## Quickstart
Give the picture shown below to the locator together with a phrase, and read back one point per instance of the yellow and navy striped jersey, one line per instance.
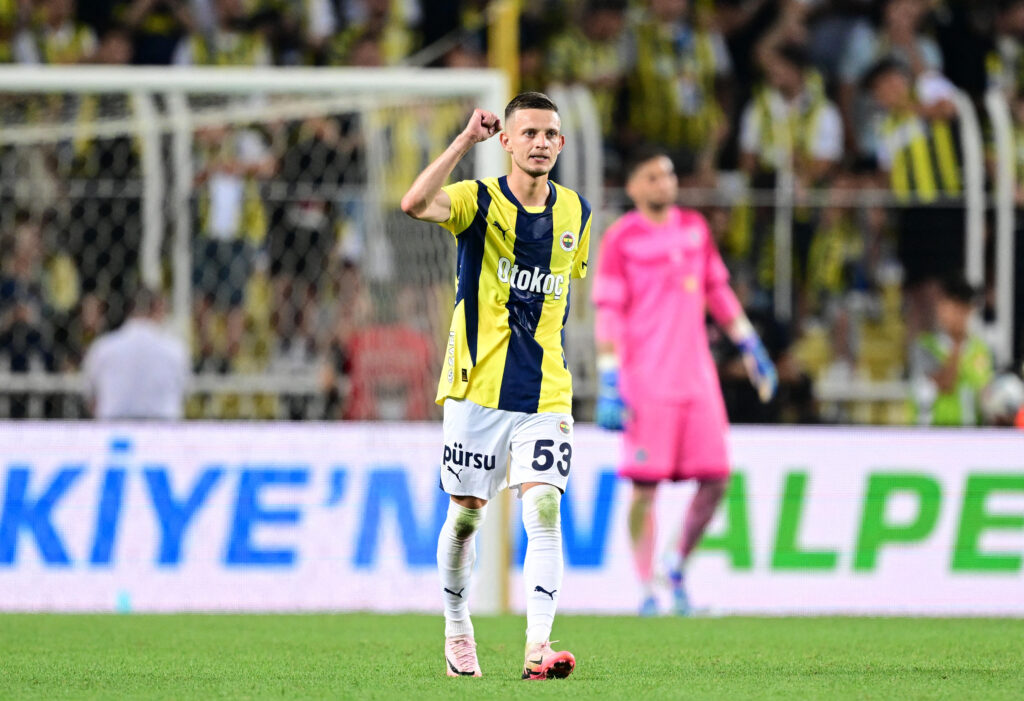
(921, 157)
(505, 346)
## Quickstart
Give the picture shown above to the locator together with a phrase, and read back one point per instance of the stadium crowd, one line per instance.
(860, 90)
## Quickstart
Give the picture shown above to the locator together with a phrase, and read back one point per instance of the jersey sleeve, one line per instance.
(463, 197)
(721, 300)
(579, 264)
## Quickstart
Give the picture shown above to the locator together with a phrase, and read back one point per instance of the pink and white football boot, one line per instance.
(460, 656)
(544, 663)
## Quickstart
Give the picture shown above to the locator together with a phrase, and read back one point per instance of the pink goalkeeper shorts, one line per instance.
(676, 441)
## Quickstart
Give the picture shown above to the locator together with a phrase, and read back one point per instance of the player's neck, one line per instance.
(656, 215)
(529, 190)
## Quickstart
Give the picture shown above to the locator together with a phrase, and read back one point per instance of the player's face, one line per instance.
(654, 184)
(534, 139)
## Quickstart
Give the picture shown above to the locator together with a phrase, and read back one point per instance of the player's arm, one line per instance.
(611, 297)
(425, 199)
(728, 313)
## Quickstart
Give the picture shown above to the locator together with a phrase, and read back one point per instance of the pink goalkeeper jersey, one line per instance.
(653, 285)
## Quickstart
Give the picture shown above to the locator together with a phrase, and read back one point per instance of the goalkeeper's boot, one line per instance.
(680, 600)
(460, 656)
(544, 663)
(649, 607)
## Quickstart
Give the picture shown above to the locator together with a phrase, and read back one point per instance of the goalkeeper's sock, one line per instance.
(641, 535)
(456, 553)
(542, 568)
(698, 515)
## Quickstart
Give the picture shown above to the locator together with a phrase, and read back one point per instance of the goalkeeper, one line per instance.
(658, 272)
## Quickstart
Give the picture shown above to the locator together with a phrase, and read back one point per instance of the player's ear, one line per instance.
(561, 142)
(503, 140)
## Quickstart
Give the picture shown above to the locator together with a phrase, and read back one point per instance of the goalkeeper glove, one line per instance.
(610, 406)
(759, 367)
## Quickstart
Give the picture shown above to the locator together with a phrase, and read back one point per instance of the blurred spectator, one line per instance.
(232, 223)
(951, 365)
(791, 118)
(594, 54)
(791, 115)
(964, 30)
(837, 273)
(22, 302)
(678, 68)
(1005, 64)
(917, 147)
(303, 226)
(232, 42)
(156, 27)
(298, 32)
(463, 56)
(15, 44)
(58, 38)
(897, 35)
(392, 366)
(381, 20)
(139, 371)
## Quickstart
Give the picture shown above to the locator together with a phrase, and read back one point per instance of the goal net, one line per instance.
(264, 203)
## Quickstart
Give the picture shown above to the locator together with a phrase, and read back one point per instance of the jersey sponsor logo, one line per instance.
(568, 241)
(455, 455)
(530, 279)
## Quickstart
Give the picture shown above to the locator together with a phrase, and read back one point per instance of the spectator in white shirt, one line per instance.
(792, 113)
(139, 371)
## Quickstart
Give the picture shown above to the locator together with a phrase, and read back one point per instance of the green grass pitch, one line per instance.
(400, 657)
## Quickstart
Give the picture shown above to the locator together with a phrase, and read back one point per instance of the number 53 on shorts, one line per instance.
(544, 459)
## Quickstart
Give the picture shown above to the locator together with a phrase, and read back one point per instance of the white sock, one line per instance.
(456, 553)
(542, 569)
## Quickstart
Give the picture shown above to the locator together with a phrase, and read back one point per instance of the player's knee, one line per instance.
(547, 504)
(464, 520)
(466, 525)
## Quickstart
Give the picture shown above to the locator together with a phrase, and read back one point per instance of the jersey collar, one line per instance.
(507, 192)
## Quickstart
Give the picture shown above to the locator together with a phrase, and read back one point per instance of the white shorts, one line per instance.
(486, 450)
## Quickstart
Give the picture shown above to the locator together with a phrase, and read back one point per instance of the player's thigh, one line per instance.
(703, 453)
(541, 450)
(649, 440)
(476, 441)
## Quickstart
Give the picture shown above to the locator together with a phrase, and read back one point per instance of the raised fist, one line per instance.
(482, 126)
